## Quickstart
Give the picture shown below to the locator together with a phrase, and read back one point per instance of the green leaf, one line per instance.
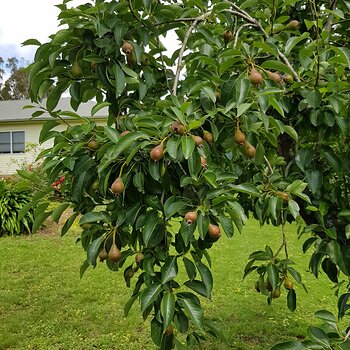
(198, 287)
(167, 309)
(206, 277)
(190, 268)
(276, 65)
(188, 146)
(273, 275)
(291, 300)
(315, 179)
(94, 249)
(326, 316)
(94, 217)
(69, 223)
(319, 336)
(293, 208)
(203, 223)
(169, 270)
(58, 211)
(242, 88)
(289, 345)
(242, 108)
(98, 107)
(149, 228)
(291, 42)
(194, 164)
(129, 304)
(193, 311)
(237, 214)
(39, 220)
(227, 225)
(314, 98)
(150, 295)
(84, 266)
(246, 188)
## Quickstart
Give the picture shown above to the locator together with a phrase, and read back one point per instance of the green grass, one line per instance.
(44, 305)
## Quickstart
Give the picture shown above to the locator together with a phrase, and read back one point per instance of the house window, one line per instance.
(12, 142)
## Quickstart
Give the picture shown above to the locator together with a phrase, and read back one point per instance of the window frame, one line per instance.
(11, 141)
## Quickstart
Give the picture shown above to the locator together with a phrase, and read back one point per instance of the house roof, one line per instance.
(12, 111)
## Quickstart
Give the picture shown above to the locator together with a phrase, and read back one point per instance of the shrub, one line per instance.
(13, 197)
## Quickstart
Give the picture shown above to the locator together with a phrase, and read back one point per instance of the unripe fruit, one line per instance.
(190, 217)
(139, 258)
(268, 285)
(288, 78)
(255, 77)
(103, 255)
(249, 150)
(93, 145)
(76, 70)
(130, 273)
(85, 226)
(114, 253)
(276, 293)
(293, 25)
(125, 132)
(131, 59)
(95, 185)
(145, 61)
(288, 284)
(275, 77)
(283, 195)
(214, 231)
(203, 162)
(239, 136)
(127, 48)
(178, 128)
(208, 136)
(169, 331)
(218, 95)
(227, 36)
(197, 140)
(117, 186)
(157, 152)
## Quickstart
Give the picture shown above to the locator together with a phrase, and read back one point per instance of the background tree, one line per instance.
(249, 115)
(16, 87)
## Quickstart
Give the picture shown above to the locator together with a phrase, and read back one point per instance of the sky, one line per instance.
(27, 19)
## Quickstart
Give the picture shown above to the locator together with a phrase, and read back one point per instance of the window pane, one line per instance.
(5, 146)
(18, 141)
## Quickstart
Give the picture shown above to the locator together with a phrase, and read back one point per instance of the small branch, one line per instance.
(239, 31)
(188, 19)
(268, 164)
(182, 50)
(241, 13)
(347, 336)
(284, 241)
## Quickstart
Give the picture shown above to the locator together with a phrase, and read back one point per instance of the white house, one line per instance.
(19, 132)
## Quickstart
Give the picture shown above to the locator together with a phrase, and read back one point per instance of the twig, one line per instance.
(182, 50)
(188, 19)
(238, 32)
(241, 13)
(268, 164)
(347, 336)
(284, 241)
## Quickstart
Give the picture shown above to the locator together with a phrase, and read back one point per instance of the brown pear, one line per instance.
(239, 136)
(203, 162)
(197, 140)
(208, 136)
(127, 48)
(178, 128)
(249, 150)
(214, 231)
(103, 254)
(190, 217)
(76, 70)
(114, 253)
(139, 258)
(227, 36)
(276, 77)
(255, 77)
(117, 186)
(157, 152)
(288, 284)
(288, 78)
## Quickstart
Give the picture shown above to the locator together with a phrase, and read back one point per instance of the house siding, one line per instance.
(9, 163)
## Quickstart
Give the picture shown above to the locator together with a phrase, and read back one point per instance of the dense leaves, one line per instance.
(226, 125)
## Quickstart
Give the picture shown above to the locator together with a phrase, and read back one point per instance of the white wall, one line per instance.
(9, 163)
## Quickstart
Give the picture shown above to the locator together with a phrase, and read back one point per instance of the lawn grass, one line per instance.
(45, 306)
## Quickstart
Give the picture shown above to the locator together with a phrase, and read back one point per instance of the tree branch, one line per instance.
(182, 50)
(241, 13)
(238, 32)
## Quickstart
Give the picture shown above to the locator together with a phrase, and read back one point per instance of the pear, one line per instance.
(117, 186)
(288, 79)
(208, 136)
(114, 253)
(275, 77)
(76, 70)
(197, 140)
(127, 48)
(227, 36)
(293, 25)
(239, 136)
(190, 217)
(214, 231)
(178, 128)
(103, 254)
(93, 145)
(203, 162)
(255, 77)
(249, 150)
(157, 152)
